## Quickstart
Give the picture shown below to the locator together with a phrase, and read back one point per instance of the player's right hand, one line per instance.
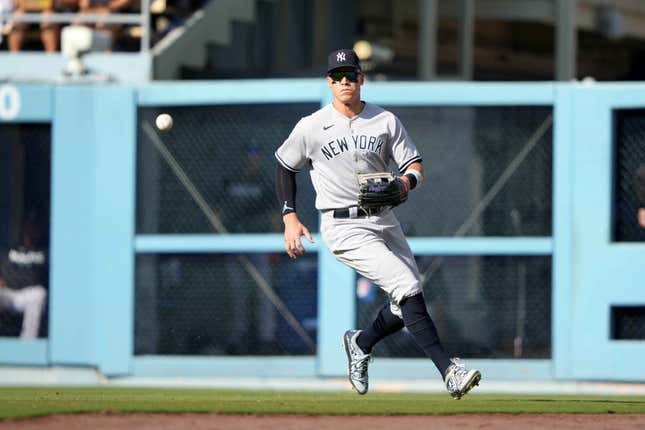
(293, 231)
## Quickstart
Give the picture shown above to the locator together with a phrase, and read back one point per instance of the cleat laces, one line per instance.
(359, 367)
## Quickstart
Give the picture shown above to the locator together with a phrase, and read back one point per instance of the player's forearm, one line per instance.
(285, 188)
(416, 166)
(413, 175)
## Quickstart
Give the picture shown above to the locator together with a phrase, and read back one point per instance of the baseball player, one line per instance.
(343, 143)
(23, 276)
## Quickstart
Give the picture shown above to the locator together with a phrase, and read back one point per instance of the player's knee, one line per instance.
(418, 321)
(415, 311)
(406, 290)
(413, 307)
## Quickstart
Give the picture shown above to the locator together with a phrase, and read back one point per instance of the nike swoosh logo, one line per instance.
(329, 126)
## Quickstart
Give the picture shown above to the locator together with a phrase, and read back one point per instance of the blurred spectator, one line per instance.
(639, 185)
(253, 321)
(23, 280)
(49, 32)
(104, 7)
(6, 7)
(170, 14)
(249, 193)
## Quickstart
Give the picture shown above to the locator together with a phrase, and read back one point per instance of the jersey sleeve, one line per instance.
(292, 154)
(404, 151)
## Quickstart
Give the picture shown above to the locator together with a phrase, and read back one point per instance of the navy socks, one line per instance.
(419, 324)
(385, 324)
(424, 332)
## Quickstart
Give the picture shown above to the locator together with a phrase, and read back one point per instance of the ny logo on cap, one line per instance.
(340, 57)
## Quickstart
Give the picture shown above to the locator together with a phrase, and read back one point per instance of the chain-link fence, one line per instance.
(227, 153)
(629, 144)
(213, 172)
(628, 322)
(489, 174)
(489, 171)
(483, 307)
(209, 304)
(470, 154)
(25, 183)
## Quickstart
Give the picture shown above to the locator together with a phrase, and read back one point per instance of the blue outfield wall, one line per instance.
(93, 227)
(93, 240)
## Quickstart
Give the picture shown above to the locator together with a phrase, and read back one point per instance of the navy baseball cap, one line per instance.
(343, 58)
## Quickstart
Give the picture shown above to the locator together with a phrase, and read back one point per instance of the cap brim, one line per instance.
(358, 69)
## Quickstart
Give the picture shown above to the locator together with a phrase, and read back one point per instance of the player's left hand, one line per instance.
(377, 190)
(293, 231)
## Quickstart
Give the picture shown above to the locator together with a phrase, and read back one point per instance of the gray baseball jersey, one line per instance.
(338, 148)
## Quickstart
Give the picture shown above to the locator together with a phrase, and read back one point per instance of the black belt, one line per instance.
(360, 213)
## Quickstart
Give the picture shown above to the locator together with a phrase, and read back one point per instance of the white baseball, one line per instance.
(164, 122)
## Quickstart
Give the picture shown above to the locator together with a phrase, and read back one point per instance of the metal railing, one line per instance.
(141, 18)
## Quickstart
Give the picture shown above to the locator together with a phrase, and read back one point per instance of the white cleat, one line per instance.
(357, 361)
(460, 380)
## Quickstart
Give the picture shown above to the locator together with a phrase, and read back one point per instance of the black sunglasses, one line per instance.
(338, 76)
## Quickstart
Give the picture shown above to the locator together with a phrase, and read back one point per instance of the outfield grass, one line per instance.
(29, 402)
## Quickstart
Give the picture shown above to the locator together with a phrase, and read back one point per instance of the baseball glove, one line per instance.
(376, 190)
